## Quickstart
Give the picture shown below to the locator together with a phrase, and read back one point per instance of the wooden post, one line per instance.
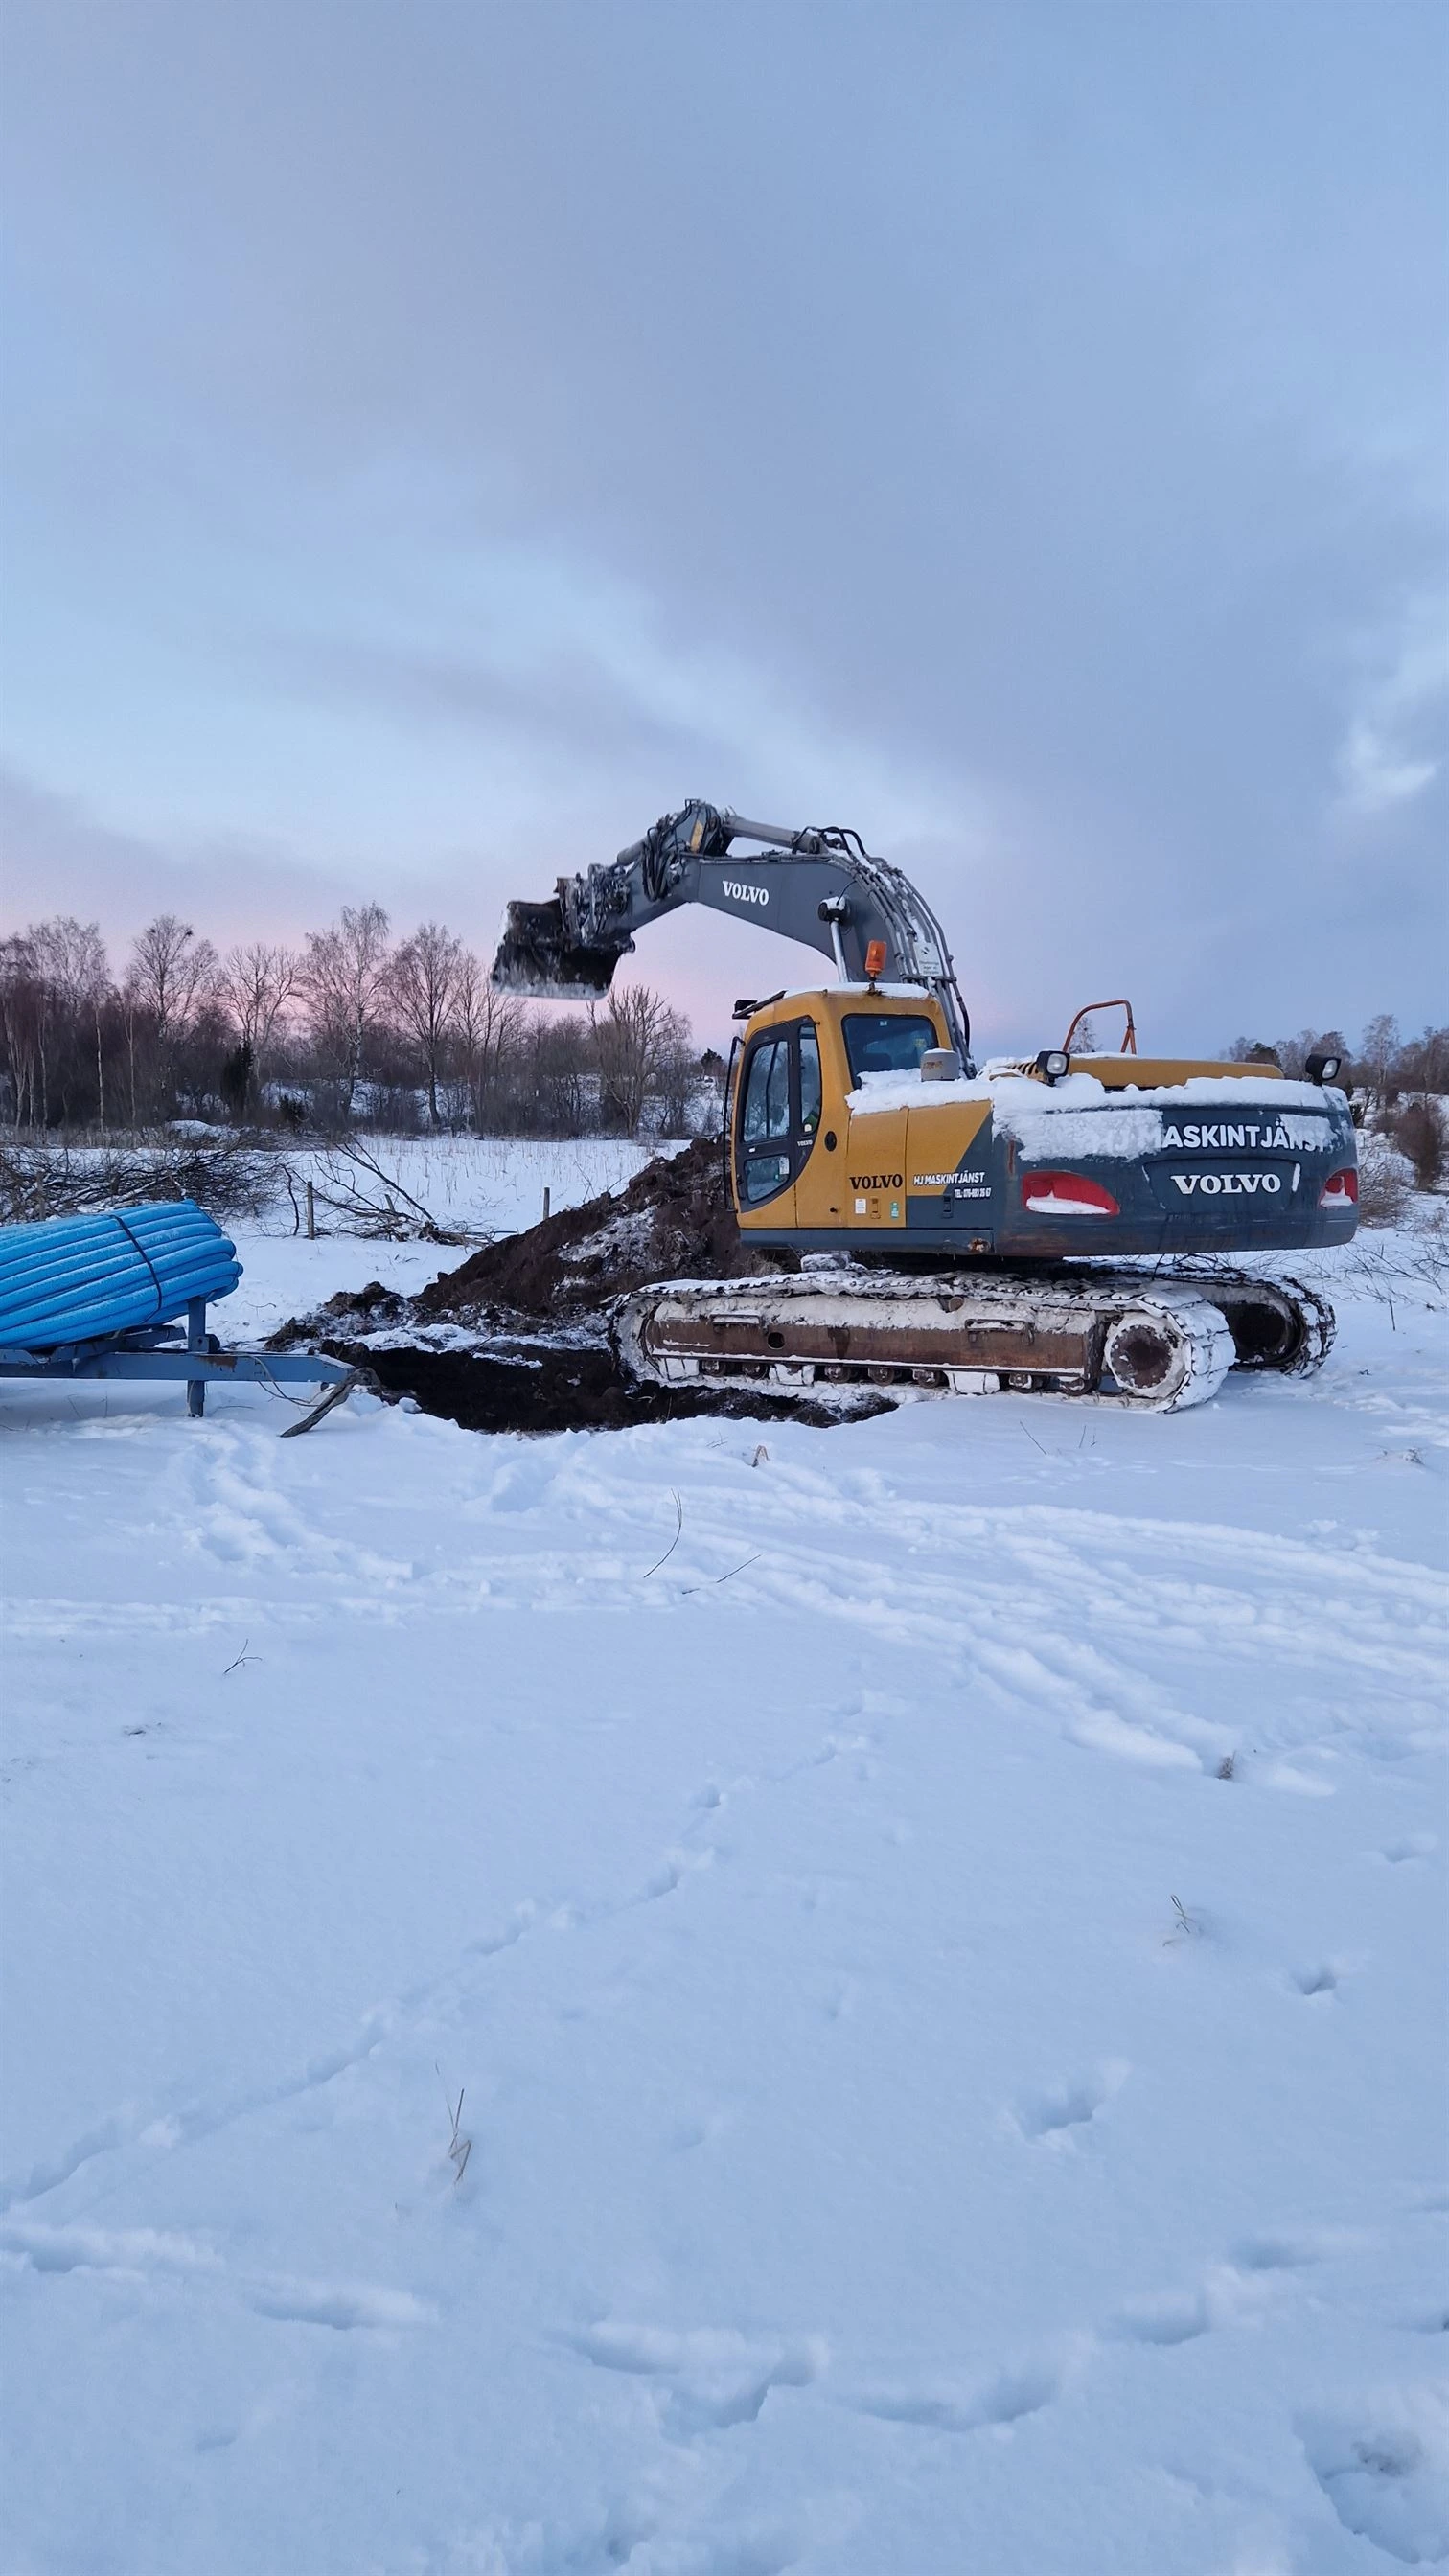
(311, 1215)
(547, 1196)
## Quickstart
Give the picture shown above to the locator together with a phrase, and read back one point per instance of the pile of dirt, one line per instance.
(673, 1221)
(534, 1308)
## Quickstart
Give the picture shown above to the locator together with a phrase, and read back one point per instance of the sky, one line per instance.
(439, 438)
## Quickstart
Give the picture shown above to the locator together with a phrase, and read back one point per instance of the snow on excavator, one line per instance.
(943, 1214)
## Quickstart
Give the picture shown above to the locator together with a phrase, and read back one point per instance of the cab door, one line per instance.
(779, 1115)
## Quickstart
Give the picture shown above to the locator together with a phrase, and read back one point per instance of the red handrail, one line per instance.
(1129, 1043)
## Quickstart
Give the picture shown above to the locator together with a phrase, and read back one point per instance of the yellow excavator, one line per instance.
(958, 1230)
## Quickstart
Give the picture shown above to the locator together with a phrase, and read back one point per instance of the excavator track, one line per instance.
(1276, 1322)
(1149, 1345)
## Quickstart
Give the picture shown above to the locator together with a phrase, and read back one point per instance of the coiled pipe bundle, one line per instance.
(87, 1278)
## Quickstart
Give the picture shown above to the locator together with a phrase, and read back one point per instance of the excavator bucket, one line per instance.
(537, 958)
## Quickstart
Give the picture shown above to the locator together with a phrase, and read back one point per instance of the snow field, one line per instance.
(921, 2115)
(490, 1183)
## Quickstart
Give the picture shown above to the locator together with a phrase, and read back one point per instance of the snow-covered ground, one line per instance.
(938, 1926)
(490, 1184)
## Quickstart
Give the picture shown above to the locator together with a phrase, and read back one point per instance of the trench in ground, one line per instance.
(541, 1387)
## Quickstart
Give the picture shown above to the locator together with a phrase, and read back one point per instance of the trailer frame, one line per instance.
(200, 1362)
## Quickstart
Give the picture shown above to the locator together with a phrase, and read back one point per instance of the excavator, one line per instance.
(1056, 1223)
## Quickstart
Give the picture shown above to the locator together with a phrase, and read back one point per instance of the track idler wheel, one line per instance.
(1173, 1349)
(1276, 1324)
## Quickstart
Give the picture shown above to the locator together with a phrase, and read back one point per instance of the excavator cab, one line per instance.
(803, 1057)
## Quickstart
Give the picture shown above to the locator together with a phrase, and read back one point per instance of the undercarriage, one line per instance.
(1154, 1343)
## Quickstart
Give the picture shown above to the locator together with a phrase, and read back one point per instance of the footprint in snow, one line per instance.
(148, 2253)
(716, 2377)
(1385, 2471)
(1315, 1982)
(1175, 2317)
(689, 2134)
(1075, 2106)
(1410, 1847)
(341, 2305)
(993, 2405)
(1292, 2252)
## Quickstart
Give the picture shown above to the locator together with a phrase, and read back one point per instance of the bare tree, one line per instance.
(171, 971)
(1378, 1049)
(72, 957)
(422, 985)
(171, 976)
(488, 1029)
(343, 974)
(634, 1036)
(256, 984)
(562, 1083)
(22, 1009)
(1422, 1064)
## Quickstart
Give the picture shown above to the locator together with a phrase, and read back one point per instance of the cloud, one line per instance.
(58, 856)
(432, 452)
(1395, 745)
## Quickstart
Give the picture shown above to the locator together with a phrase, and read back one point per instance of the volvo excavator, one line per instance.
(958, 1230)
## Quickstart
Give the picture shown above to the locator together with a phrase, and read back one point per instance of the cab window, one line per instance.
(780, 1112)
(809, 1079)
(887, 1041)
(764, 1175)
(777, 1091)
(757, 1084)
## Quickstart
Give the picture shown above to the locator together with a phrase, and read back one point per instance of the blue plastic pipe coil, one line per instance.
(85, 1278)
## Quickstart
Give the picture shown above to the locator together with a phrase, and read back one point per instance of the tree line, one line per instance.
(358, 1027)
(1396, 1080)
(353, 1027)
(1385, 1066)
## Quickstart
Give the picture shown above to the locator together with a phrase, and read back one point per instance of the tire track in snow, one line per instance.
(1070, 1609)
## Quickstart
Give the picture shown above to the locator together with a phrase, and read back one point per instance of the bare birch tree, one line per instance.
(488, 1029)
(170, 976)
(21, 1012)
(343, 976)
(256, 983)
(72, 957)
(634, 1035)
(422, 986)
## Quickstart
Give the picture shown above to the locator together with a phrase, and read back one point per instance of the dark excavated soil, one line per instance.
(548, 1389)
(674, 1221)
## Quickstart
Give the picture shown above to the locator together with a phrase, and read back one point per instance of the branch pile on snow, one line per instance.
(349, 1182)
(40, 1181)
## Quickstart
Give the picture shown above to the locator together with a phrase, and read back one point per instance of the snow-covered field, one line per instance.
(938, 1926)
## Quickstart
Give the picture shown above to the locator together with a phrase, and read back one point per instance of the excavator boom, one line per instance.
(820, 886)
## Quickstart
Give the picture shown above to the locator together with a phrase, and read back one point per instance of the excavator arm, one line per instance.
(821, 887)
